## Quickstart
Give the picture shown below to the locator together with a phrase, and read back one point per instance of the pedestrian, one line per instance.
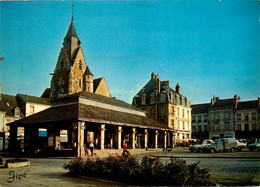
(91, 146)
(125, 149)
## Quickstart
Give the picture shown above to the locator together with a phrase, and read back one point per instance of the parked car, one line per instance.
(221, 145)
(254, 146)
(240, 145)
(198, 147)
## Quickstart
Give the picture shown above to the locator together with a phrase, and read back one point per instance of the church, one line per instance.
(82, 110)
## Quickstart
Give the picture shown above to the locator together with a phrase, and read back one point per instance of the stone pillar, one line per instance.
(165, 139)
(156, 139)
(146, 138)
(118, 137)
(132, 138)
(80, 139)
(101, 138)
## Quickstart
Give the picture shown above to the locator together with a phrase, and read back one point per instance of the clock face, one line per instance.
(76, 79)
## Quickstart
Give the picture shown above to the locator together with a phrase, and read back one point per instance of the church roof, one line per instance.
(96, 83)
(71, 31)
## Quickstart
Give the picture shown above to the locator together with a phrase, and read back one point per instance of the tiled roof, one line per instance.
(99, 98)
(66, 112)
(91, 114)
(223, 103)
(8, 103)
(200, 108)
(33, 99)
(247, 104)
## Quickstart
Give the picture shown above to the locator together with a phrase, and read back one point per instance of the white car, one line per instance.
(240, 145)
(198, 147)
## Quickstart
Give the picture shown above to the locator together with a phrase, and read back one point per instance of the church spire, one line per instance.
(71, 40)
(72, 12)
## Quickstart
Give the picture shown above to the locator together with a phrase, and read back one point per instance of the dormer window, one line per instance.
(80, 65)
(16, 112)
(143, 99)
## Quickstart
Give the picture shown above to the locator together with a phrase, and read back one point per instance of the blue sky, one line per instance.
(209, 47)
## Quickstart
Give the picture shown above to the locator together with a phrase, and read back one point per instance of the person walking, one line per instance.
(125, 149)
(91, 146)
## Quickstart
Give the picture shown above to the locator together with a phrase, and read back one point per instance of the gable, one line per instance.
(63, 61)
(79, 57)
(101, 87)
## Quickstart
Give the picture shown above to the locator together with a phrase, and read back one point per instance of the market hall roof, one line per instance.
(89, 113)
(95, 97)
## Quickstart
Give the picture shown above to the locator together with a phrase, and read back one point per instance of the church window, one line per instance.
(79, 82)
(61, 63)
(80, 65)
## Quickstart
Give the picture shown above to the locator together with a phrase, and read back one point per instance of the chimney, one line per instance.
(177, 88)
(152, 75)
(214, 100)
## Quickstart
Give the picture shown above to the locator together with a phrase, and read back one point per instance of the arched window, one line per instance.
(80, 65)
(79, 82)
(61, 63)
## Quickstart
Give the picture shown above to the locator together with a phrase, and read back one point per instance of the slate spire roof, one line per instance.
(88, 72)
(71, 31)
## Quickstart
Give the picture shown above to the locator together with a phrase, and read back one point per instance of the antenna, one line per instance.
(72, 11)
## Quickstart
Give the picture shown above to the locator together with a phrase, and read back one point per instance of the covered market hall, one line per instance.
(75, 120)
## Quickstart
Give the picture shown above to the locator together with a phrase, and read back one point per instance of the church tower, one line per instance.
(88, 81)
(71, 75)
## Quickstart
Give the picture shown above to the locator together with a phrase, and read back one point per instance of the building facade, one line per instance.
(13, 108)
(166, 106)
(226, 118)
